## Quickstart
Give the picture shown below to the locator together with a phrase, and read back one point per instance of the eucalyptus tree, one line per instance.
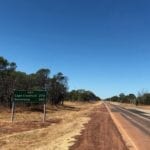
(42, 77)
(7, 70)
(58, 88)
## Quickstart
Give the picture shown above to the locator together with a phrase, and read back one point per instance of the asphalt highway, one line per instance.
(137, 118)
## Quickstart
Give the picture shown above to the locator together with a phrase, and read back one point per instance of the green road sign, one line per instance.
(29, 96)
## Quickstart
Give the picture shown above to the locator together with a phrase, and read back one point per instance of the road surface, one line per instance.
(136, 124)
(101, 133)
(138, 118)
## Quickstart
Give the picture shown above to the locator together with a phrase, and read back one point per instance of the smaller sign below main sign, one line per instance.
(29, 96)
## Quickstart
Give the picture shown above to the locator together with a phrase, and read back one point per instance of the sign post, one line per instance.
(29, 97)
(44, 113)
(12, 111)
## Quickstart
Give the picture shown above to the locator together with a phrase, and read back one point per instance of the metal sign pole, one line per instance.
(13, 111)
(44, 113)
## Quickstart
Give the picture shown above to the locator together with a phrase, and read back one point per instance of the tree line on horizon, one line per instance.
(82, 95)
(56, 86)
(142, 98)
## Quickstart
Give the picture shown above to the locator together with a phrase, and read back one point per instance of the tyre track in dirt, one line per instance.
(100, 133)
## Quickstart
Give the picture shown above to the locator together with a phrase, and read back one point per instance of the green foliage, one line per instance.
(82, 95)
(57, 90)
(123, 98)
(115, 99)
(11, 79)
(6, 80)
(3, 63)
(143, 98)
(56, 86)
(42, 77)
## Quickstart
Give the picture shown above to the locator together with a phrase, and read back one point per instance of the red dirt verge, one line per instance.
(100, 133)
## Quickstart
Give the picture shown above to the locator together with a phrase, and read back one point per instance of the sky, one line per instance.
(100, 45)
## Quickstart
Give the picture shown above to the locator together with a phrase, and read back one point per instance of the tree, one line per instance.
(42, 76)
(3, 64)
(122, 97)
(58, 88)
(82, 95)
(21, 80)
(114, 99)
(144, 98)
(6, 80)
(131, 98)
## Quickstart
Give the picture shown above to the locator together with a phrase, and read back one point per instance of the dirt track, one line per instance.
(100, 133)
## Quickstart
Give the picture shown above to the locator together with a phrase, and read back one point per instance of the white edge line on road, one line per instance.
(128, 141)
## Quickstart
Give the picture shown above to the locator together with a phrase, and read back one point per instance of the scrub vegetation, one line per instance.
(56, 86)
(142, 98)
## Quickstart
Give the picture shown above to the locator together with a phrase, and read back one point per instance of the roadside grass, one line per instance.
(28, 131)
